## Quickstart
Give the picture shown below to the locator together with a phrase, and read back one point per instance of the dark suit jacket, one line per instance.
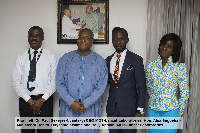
(127, 96)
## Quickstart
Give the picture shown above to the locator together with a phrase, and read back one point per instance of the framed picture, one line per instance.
(76, 15)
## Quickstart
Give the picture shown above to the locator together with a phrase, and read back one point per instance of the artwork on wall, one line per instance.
(74, 15)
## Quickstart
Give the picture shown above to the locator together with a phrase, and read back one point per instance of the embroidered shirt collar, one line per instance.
(91, 52)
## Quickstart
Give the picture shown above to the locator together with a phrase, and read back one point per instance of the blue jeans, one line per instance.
(171, 113)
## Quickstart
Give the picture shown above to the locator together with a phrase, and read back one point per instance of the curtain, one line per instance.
(183, 18)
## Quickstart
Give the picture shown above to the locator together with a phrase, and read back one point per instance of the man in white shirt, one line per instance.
(68, 28)
(33, 78)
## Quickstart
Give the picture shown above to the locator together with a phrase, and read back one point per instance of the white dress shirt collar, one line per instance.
(123, 54)
(32, 50)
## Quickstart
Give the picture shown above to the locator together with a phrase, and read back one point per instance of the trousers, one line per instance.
(116, 113)
(46, 111)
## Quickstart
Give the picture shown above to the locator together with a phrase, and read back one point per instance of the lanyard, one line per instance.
(32, 69)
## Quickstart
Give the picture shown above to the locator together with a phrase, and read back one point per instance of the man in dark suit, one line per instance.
(126, 71)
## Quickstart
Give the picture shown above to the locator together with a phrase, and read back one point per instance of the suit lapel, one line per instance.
(109, 74)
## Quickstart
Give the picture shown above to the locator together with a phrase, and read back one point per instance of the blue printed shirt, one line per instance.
(162, 85)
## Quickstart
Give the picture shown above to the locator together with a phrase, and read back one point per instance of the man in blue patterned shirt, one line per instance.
(81, 80)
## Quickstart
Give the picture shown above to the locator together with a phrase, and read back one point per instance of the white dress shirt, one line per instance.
(45, 74)
(68, 27)
(121, 62)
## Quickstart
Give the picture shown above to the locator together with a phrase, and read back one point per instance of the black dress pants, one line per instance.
(116, 113)
(46, 111)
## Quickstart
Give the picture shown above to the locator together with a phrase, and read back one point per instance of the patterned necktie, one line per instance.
(32, 71)
(116, 78)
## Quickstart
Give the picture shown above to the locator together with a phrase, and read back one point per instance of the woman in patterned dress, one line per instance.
(163, 77)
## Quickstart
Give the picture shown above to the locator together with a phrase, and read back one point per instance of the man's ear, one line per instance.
(127, 40)
(43, 37)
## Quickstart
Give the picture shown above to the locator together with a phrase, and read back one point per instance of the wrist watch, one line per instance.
(141, 112)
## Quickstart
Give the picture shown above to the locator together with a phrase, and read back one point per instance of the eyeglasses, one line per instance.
(85, 38)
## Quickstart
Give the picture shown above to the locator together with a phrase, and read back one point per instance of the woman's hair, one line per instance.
(177, 45)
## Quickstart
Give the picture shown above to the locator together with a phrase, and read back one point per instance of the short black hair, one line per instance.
(87, 29)
(34, 27)
(177, 45)
(119, 28)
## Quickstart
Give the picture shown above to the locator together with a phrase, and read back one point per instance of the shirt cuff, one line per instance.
(45, 96)
(26, 97)
(140, 109)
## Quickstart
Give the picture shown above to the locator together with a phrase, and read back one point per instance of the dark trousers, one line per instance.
(46, 111)
(116, 113)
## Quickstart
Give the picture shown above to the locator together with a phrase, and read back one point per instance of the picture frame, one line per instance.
(76, 15)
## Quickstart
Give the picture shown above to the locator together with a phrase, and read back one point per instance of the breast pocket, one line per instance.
(129, 71)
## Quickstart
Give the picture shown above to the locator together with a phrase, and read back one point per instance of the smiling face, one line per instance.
(119, 40)
(166, 49)
(35, 38)
(85, 41)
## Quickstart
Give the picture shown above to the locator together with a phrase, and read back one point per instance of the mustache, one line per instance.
(84, 43)
(34, 40)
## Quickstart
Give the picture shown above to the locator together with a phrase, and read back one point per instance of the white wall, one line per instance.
(17, 16)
